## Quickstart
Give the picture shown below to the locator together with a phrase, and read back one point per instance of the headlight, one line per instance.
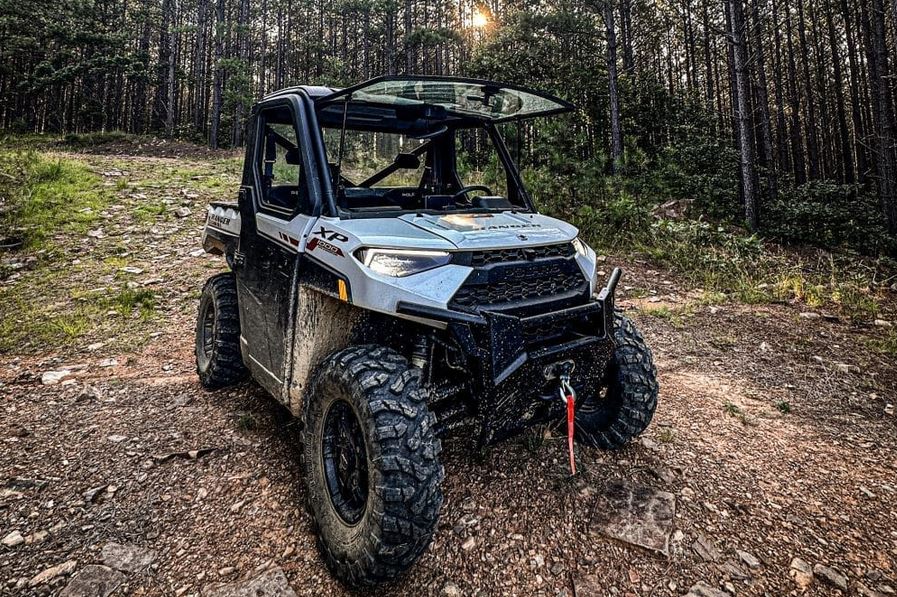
(581, 247)
(401, 262)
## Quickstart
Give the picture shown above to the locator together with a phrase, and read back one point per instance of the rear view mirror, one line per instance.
(407, 161)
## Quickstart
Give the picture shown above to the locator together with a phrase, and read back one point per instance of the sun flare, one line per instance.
(479, 19)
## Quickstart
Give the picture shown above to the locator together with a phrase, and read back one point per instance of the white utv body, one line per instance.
(391, 281)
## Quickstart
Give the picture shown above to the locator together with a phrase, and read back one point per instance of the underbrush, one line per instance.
(728, 264)
(722, 260)
(84, 140)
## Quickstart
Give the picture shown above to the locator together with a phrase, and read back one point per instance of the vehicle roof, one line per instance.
(313, 91)
(461, 97)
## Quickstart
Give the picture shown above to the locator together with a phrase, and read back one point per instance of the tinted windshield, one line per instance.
(451, 170)
(495, 101)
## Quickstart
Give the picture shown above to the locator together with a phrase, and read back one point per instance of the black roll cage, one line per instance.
(309, 135)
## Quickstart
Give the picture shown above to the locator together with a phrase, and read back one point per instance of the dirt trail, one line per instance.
(772, 438)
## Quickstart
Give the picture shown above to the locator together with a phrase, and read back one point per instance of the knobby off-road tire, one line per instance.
(371, 536)
(218, 360)
(626, 405)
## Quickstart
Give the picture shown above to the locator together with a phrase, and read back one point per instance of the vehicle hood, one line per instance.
(495, 230)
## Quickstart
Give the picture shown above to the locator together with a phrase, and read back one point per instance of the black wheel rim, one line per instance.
(602, 404)
(207, 331)
(345, 462)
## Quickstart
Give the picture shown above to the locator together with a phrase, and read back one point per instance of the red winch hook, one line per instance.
(568, 396)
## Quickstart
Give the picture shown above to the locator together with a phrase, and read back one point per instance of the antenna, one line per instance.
(342, 144)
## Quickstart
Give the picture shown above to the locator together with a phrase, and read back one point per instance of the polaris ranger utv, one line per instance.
(391, 280)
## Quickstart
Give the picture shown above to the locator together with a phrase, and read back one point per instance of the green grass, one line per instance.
(887, 345)
(675, 315)
(666, 435)
(27, 324)
(150, 212)
(246, 421)
(129, 300)
(783, 406)
(733, 410)
(43, 197)
(83, 140)
(50, 203)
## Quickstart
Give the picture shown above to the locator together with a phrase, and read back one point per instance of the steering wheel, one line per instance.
(471, 188)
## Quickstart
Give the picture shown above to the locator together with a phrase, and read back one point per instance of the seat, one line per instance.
(285, 196)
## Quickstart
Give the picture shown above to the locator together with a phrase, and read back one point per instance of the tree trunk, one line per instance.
(797, 148)
(882, 109)
(745, 130)
(219, 75)
(243, 55)
(708, 57)
(161, 107)
(763, 104)
(616, 130)
(784, 157)
(199, 66)
(847, 164)
(626, 27)
(171, 81)
(859, 130)
(812, 133)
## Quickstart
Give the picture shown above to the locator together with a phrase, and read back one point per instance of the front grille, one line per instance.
(520, 281)
(487, 295)
(482, 258)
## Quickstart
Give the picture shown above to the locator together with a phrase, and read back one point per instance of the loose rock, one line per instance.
(702, 589)
(52, 572)
(749, 559)
(127, 558)
(13, 539)
(50, 378)
(706, 549)
(801, 573)
(89, 393)
(637, 514)
(271, 583)
(36, 537)
(94, 581)
(831, 576)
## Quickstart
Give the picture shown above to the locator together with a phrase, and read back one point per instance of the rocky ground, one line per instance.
(770, 467)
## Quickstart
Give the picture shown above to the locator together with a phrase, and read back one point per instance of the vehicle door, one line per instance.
(277, 193)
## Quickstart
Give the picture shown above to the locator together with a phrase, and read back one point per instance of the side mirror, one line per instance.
(407, 161)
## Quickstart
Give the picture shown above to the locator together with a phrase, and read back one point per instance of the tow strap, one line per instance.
(568, 396)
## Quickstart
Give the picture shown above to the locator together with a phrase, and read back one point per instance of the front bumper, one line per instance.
(512, 357)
